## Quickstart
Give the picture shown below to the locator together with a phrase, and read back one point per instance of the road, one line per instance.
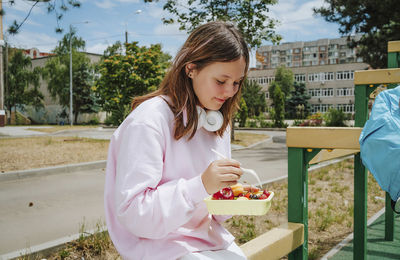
(62, 203)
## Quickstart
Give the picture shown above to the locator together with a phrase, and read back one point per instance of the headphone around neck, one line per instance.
(211, 120)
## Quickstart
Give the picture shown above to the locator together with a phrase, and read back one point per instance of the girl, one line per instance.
(160, 166)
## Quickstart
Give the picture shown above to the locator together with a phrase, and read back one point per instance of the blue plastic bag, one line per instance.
(380, 142)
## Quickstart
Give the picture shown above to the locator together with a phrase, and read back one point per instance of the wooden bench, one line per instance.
(276, 243)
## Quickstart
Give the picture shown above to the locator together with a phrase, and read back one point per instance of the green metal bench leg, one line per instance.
(389, 219)
(360, 179)
(297, 197)
(393, 62)
(360, 209)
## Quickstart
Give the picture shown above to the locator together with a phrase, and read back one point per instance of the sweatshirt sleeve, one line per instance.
(144, 207)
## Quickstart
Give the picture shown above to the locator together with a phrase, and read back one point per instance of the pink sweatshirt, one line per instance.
(154, 193)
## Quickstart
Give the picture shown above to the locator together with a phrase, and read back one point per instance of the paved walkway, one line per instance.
(377, 247)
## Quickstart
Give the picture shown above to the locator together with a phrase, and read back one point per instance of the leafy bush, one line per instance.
(313, 120)
(335, 117)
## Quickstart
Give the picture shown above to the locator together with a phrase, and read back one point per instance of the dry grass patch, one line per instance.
(39, 152)
(53, 129)
(246, 139)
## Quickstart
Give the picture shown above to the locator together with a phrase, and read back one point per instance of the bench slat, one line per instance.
(276, 243)
(323, 137)
(381, 76)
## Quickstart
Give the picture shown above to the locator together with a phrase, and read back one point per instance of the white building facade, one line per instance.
(326, 66)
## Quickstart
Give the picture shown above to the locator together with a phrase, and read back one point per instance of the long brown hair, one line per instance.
(209, 43)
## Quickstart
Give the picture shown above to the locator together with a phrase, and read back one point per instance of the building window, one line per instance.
(321, 92)
(297, 50)
(346, 108)
(342, 92)
(345, 75)
(300, 77)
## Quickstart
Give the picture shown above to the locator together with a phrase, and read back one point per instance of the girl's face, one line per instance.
(217, 82)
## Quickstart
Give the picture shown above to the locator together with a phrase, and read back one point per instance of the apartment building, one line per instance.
(326, 66)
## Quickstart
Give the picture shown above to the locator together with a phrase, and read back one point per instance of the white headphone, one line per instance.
(211, 120)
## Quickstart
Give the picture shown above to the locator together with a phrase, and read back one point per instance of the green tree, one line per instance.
(243, 112)
(250, 16)
(22, 86)
(57, 7)
(285, 79)
(123, 77)
(57, 73)
(297, 105)
(254, 97)
(377, 21)
(279, 107)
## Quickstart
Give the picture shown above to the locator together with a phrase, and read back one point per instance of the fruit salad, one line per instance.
(241, 192)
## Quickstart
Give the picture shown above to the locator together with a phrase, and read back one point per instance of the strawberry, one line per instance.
(263, 196)
(267, 193)
(227, 193)
(224, 194)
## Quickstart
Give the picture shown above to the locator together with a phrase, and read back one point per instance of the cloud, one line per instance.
(108, 4)
(298, 21)
(98, 48)
(27, 40)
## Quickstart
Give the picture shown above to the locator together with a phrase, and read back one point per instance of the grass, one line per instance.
(38, 152)
(54, 128)
(246, 139)
(45, 151)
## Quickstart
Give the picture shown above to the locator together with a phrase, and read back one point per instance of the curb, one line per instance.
(260, 129)
(17, 175)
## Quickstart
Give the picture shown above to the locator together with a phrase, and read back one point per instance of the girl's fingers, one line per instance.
(229, 177)
(230, 169)
(228, 183)
(228, 162)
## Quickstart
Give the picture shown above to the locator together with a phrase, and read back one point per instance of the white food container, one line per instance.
(238, 207)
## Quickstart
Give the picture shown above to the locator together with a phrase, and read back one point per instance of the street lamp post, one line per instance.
(71, 114)
(126, 27)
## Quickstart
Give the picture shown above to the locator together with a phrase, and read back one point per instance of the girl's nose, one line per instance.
(230, 90)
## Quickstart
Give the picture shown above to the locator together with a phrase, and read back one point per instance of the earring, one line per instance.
(190, 75)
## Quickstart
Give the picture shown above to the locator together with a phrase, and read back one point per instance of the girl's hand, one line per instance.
(220, 174)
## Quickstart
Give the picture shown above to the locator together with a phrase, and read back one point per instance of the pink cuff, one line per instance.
(196, 191)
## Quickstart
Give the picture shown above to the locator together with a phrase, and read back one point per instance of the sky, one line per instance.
(103, 22)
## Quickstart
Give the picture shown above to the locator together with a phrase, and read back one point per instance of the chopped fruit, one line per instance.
(250, 188)
(227, 193)
(240, 192)
(237, 189)
(224, 194)
(217, 196)
(267, 193)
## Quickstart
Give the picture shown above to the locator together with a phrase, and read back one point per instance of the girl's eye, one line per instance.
(220, 82)
(236, 84)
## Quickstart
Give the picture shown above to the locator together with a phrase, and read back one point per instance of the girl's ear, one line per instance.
(189, 69)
